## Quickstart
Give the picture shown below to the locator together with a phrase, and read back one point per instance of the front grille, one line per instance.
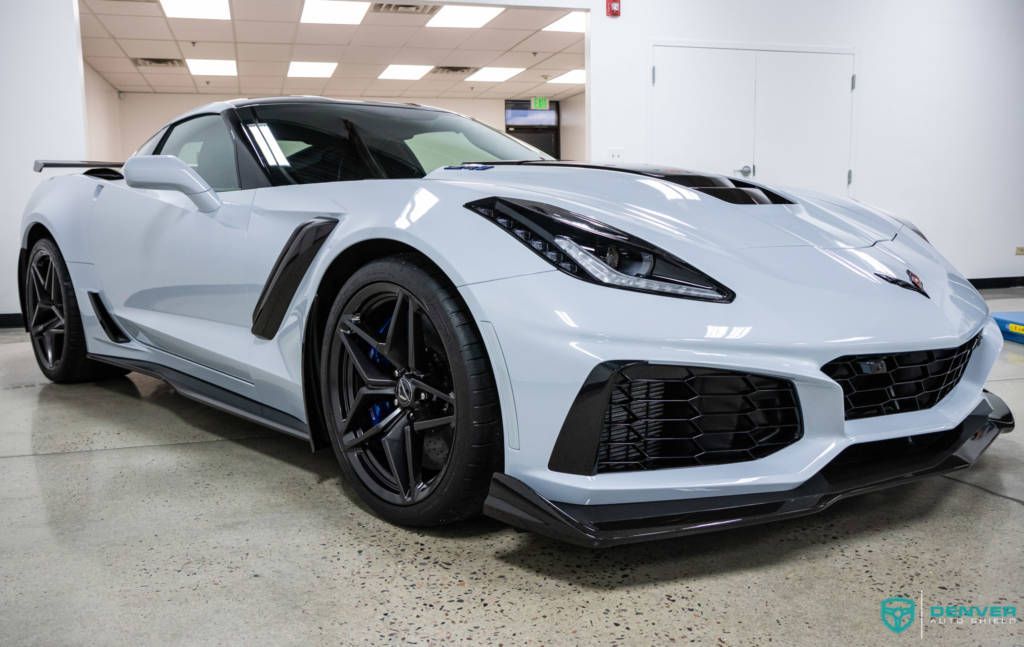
(879, 385)
(676, 416)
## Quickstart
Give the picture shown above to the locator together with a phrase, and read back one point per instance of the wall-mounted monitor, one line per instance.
(518, 113)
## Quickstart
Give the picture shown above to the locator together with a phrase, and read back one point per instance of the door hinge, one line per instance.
(653, 74)
(853, 82)
(849, 176)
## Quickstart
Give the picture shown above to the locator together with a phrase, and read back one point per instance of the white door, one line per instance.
(803, 108)
(702, 109)
(774, 116)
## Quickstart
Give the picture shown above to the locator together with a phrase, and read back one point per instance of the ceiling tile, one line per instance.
(340, 84)
(150, 48)
(432, 84)
(500, 39)
(440, 37)
(83, 8)
(205, 83)
(532, 19)
(125, 8)
(260, 81)
(388, 85)
(420, 56)
(136, 27)
(91, 27)
(562, 62)
(471, 88)
(192, 49)
(380, 35)
(136, 88)
(214, 30)
(170, 80)
(110, 64)
(547, 41)
(264, 32)
(263, 52)
(363, 54)
(151, 71)
(470, 57)
(353, 70)
(519, 59)
(535, 91)
(315, 34)
(100, 47)
(317, 52)
(537, 75)
(304, 86)
(263, 68)
(282, 10)
(579, 47)
(172, 89)
(120, 79)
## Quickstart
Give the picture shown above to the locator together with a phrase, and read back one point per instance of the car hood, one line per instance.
(696, 207)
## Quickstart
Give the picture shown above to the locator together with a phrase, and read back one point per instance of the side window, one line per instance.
(204, 143)
(150, 145)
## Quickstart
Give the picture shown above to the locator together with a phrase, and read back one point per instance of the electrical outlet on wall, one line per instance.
(616, 154)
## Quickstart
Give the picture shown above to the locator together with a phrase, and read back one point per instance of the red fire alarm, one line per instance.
(612, 8)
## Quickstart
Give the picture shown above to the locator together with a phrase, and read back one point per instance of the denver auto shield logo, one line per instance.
(898, 614)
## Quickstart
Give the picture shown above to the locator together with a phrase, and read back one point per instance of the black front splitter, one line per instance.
(859, 469)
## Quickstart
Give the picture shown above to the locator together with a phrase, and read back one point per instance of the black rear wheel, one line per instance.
(409, 396)
(53, 319)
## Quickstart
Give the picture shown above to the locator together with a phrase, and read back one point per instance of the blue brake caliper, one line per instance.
(380, 409)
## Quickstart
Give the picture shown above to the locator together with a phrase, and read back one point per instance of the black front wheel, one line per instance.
(408, 393)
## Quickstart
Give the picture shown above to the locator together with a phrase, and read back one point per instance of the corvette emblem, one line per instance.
(913, 282)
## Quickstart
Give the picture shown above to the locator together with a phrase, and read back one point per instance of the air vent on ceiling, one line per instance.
(156, 62)
(404, 8)
(452, 69)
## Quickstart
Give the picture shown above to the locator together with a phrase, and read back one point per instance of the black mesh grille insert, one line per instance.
(676, 416)
(879, 385)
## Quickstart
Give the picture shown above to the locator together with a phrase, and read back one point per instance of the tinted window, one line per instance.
(204, 143)
(323, 142)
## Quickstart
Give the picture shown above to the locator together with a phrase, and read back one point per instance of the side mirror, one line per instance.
(169, 173)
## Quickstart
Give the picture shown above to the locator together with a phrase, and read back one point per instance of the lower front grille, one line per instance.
(661, 416)
(883, 384)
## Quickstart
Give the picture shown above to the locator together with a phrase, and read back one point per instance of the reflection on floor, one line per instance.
(131, 514)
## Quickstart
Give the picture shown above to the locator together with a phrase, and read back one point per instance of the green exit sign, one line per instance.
(540, 103)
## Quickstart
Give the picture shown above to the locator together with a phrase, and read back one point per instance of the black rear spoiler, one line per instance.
(41, 164)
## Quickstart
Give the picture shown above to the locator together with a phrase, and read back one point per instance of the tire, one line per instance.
(54, 321)
(383, 404)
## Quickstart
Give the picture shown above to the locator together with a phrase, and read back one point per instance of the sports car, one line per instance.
(602, 354)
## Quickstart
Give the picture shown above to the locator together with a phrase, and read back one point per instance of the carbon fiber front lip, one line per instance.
(513, 502)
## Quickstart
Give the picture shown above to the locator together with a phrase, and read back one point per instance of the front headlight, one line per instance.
(598, 253)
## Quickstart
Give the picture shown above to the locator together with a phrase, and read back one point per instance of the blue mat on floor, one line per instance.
(1011, 324)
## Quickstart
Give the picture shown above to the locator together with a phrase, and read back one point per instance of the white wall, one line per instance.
(573, 115)
(141, 115)
(42, 111)
(937, 133)
(102, 118)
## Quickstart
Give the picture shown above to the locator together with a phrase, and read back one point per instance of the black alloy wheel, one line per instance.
(414, 428)
(44, 309)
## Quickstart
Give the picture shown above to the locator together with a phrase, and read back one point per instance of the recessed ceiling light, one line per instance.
(211, 67)
(334, 12)
(574, 77)
(494, 74)
(466, 17)
(405, 72)
(203, 9)
(311, 69)
(575, 22)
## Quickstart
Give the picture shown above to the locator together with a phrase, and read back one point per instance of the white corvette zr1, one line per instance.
(600, 354)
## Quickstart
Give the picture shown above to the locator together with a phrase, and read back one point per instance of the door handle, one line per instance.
(745, 171)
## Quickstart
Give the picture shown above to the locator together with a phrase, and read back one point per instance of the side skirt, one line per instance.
(214, 396)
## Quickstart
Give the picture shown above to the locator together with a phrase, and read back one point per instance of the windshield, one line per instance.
(324, 142)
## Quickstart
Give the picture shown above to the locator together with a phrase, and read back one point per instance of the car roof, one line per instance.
(221, 106)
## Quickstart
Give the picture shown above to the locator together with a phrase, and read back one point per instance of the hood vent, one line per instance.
(158, 62)
(404, 8)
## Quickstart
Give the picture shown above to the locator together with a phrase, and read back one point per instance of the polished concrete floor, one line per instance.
(131, 515)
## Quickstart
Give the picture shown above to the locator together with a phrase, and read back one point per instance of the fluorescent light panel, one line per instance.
(334, 12)
(311, 69)
(494, 74)
(575, 22)
(463, 16)
(201, 9)
(211, 67)
(574, 77)
(405, 72)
